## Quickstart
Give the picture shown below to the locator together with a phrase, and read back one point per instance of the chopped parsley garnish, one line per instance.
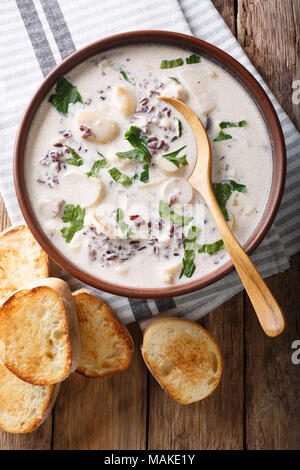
(122, 72)
(193, 59)
(98, 164)
(175, 80)
(223, 192)
(170, 64)
(212, 248)
(179, 127)
(166, 212)
(74, 215)
(222, 136)
(177, 161)
(140, 151)
(125, 229)
(134, 154)
(76, 160)
(226, 124)
(189, 266)
(139, 142)
(65, 93)
(189, 244)
(120, 177)
(144, 178)
(190, 239)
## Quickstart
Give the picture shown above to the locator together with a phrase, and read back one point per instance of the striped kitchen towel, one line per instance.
(35, 35)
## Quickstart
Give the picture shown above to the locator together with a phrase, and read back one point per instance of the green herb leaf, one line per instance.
(177, 161)
(190, 239)
(226, 124)
(170, 64)
(223, 192)
(120, 177)
(122, 72)
(179, 127)
(123, 226)
(144, 178)
(222, 136)
(134, 154)
(98, 164)
(193, 59)
(74, 215)
(189, 266)
(212, 248)
(76, 160)
(166, 212)
(175, 80)
(190, 245)
(65, 93)
(138, 141)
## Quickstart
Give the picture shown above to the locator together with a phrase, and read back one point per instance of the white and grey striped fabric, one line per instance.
(35, 35)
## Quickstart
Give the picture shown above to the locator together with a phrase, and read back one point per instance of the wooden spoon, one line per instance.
(267, 309)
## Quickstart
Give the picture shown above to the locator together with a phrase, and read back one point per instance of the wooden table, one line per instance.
(257, 405)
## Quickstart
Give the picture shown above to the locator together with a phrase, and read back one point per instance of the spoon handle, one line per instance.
(266, 307)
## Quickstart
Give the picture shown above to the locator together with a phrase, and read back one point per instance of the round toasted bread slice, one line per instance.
(183, 357)
(22, 260)
(23, 407)
(39, 334)
(106, 344)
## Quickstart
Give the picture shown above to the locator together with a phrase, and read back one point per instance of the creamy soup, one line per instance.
(107, 163)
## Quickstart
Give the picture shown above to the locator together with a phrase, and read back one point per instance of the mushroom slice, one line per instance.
(124, 100)
(51, 227)
(122, 269)
(99, 128)
(50, 208)
(200, 82)
(177, 190)
(172, 89)
(167, 274)
(78, 189)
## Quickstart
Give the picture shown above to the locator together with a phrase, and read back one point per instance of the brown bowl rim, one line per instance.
(253, 88)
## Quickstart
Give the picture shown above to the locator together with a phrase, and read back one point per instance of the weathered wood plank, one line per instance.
(217, 421)
(107, 413)
(227, 11)
(272, 381)
(269, 32)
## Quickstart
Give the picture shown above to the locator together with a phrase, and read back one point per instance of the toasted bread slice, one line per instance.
(183, 357)
(39, 334)
(106, 344)
(23, 407)
(22, 260)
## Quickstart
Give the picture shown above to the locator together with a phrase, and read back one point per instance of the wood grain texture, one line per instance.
(269, 33)
(217, 421)
(272, 382)
(104, 413)
(227, 10)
